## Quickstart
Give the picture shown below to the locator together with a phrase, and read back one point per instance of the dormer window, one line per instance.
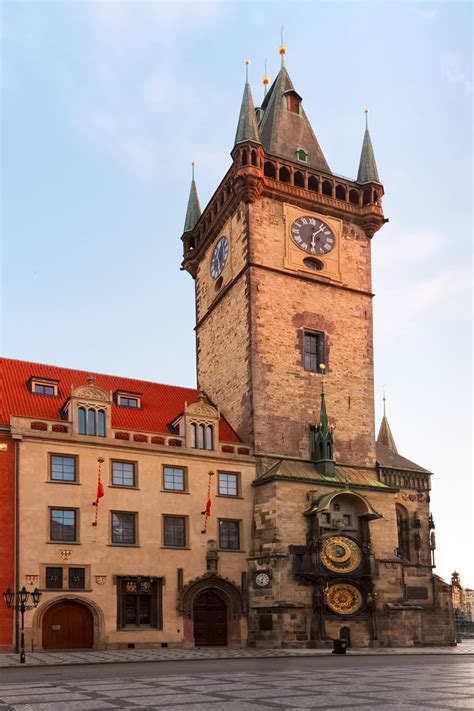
(202, 436)
(41, 386)
(302, 155)
(91, 421)
(124, 399)
(292, 102)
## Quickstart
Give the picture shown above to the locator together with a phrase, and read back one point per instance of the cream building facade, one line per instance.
(146, 566)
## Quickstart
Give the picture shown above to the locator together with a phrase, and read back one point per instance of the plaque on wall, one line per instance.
(414, 593)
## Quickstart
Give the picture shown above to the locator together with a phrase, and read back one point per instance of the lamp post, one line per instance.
(19, 601)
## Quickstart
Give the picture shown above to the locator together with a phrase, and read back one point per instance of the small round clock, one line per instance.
(312, 235)
(219, 257)
(262, 580)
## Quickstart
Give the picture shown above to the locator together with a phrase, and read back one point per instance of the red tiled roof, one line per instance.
(160, 404)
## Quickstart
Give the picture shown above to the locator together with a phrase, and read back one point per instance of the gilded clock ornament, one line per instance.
(312, 235)
(340, 554)
(344, 599)
(219, 257)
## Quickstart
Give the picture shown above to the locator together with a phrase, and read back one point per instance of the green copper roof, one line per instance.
(367, 165)
(193, 213)
(282, 132)
(305, 471)
(247, 128)
(324, 501)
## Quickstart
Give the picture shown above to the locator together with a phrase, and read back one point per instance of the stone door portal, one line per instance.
(210, 620)
(68, 625)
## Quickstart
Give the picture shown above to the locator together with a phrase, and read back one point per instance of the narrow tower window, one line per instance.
(314, 351)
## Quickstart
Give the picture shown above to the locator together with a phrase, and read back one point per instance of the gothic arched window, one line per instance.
(403, 530)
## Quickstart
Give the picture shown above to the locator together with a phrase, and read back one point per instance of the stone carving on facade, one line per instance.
(31, 579)
(65, 554)
(100, 579)
(212, 557)
(91, 392)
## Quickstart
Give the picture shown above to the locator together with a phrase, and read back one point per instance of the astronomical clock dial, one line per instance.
(262, 580)
(219, 257)
(343, 599)
(312, 235)
(340, 554)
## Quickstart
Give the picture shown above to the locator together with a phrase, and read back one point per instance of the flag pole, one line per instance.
(207, 511)
(100, 490)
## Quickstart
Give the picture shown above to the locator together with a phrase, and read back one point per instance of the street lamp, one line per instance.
(22, 596)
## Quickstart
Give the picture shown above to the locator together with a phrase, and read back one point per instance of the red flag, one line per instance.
(208, 507)
(100, 491)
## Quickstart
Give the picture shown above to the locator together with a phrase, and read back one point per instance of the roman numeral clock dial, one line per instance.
(312, 235)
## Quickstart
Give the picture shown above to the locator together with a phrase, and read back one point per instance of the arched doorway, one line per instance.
(68, 625)
(210, 620)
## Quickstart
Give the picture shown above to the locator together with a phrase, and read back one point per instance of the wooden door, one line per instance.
(68, 625)
(210, 620)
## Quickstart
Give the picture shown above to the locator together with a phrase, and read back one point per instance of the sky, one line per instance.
(104, 106)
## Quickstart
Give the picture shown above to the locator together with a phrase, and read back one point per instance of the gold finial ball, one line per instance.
(366, 111)
(247, 62)
(282, 49)
(322, 366)
(266, 80)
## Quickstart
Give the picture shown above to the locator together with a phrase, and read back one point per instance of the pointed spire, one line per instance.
(193, 213)
(282, 49)
(247, 128)
(385, 436)
(265, 81)
(284, 131)
(367, 166)
(322, 439)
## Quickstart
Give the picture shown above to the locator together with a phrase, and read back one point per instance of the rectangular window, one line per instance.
(77, 578)
(44, 387)
(314, 352)
(62, 468)
(54, 578)
(174, 531)
(124, 528)
(66, 577)
(174, 478)
(326, 517)
(128, 399)
(227, 484)
(346, 519)
(123, 474)
(63, 525)
(229, 534)
(139, 602)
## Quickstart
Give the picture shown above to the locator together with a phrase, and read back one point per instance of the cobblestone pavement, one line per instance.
(167, 655)
(428, 683)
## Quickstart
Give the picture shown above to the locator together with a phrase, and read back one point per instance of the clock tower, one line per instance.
(281, 260)
(281, 257)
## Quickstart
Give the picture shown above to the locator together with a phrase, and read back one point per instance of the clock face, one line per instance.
(219, 257)
(340, 554)
(312, 235)
(344, 599)
(262, 580)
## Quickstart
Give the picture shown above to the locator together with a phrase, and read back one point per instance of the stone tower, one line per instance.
(281, 259)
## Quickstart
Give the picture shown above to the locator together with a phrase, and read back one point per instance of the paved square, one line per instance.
(407, 683)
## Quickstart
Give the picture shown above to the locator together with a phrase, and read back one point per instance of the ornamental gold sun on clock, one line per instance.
(340, 554)
(312, 235)
(344, 599)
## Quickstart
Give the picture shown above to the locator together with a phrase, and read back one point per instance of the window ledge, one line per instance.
(63, 590)
(124, 545)
(230, 550)
(228, 496)
(173, 491)
(123, 486)
(60, 481)
(176, 548)
(65, 543)
(143, 628)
